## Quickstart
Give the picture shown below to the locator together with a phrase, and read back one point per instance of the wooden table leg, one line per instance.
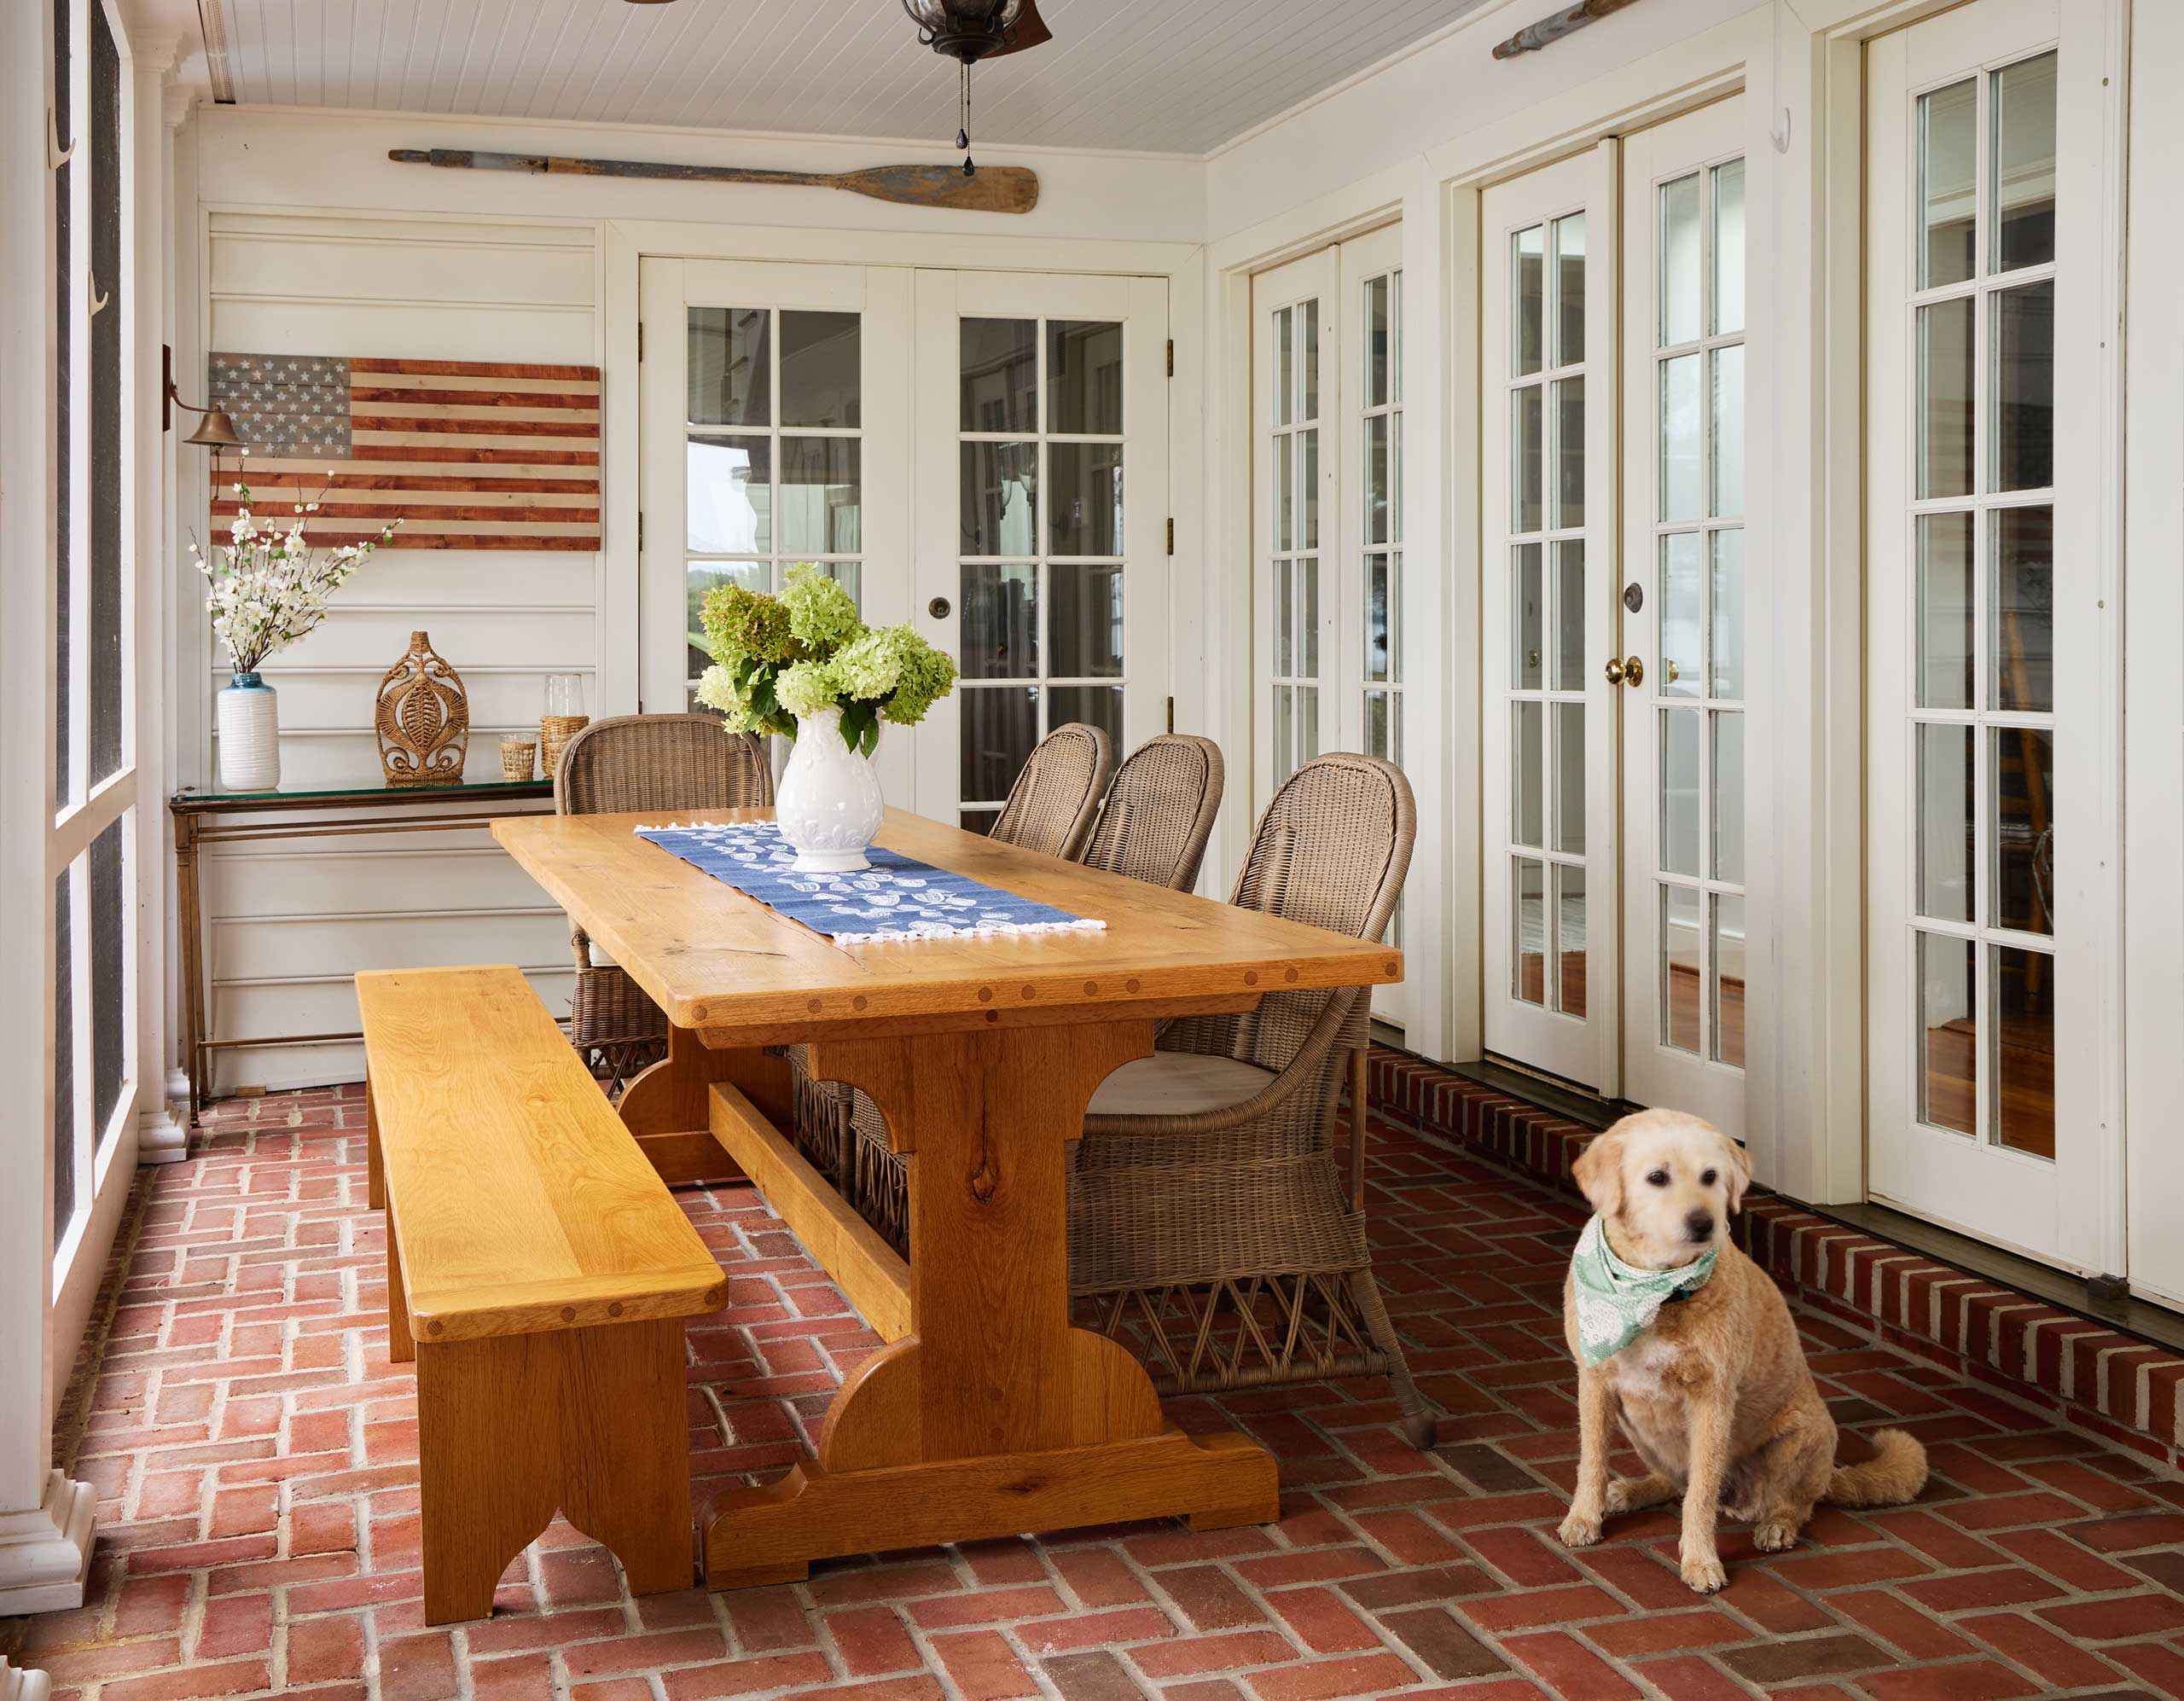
(992, 1416)
(665, 1107)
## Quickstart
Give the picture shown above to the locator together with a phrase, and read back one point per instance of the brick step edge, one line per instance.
(2110, 1384)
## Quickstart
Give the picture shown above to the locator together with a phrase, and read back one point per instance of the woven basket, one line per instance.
(554, 732)
(518, 758)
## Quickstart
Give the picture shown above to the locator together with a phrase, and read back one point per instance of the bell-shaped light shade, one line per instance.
(215, 430)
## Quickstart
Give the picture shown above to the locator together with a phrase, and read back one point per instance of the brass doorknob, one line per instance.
(1626, 670)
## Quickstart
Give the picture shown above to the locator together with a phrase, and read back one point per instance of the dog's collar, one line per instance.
(1615, 1302)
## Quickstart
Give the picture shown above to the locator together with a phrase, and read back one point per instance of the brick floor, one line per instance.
(254, 1455)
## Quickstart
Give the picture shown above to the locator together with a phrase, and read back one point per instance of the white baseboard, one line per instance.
(178, 1092)
(163, 1135)
(46, 1551)
(19, 1685)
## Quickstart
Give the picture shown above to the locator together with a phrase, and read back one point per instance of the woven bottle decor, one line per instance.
(554, 732)
(423, 720)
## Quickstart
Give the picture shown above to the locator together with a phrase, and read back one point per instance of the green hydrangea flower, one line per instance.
(716, 690)
(742, 624)
(822, 615)
(807, 688)
(870, 667)
(924, 676)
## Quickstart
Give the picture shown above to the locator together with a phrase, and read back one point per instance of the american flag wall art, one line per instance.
(469, 455)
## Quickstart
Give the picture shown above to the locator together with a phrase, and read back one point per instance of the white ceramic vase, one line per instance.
(828, 804)
(249, 720)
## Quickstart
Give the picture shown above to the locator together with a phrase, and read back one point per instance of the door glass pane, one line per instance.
(1683, 497)
(1948, 1033)
(1729, 430)
(822, 505)
(1727, 614)
(1308, 722)
(1285, 368)
(1729, 978)
(1570, 778)
(1527, 455)
(1394, 316)
(1528, 316)
(1945, 648)
(1376, 341)
(2024, 388)
(823, 370)
(1395, 615)
(2024, 164)
(1945, 817)
(109, 914)
(730, 366)
(1376, 725)
(1308, 336)
(1681, 763)
(1285, 720)
(1683, 610)
(1000, 725)
(1529, 878)
(1526, 597)
(1569, 289)
(1085, 605)
(1528, 781)
(1944, 398)
(1000, 499)
(1949, 149)
(64, 1050)
(1569, 452)
(1680, 986)
(2024, 609)
(1308, 490)
(2024, 1033)
(1728, 796)
(101, 616)
(1376, 478)
(1084, 498)
(1308, 618)
(1569, 938)
(2023, 775)
(1569, 614)
(1285, 616)
(1376, 617)
(1285, 493)
(729, 494)
(1001, 374)
(1095, 705)
(1729, 247)
(1084, 376)
(999, 626)
(1680, 283)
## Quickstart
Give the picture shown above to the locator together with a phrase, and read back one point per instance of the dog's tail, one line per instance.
(1893, 1475)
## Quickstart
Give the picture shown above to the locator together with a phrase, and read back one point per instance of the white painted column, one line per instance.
(45, 1519)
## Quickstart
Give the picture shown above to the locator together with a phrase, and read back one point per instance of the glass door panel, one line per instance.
(1042, 552)
(1548, 477)
(1683, 614)
(1983, 891)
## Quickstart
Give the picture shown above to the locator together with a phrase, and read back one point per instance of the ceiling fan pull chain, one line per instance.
(963, 118)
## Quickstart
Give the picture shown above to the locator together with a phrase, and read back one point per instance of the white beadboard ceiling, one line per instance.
(1153, 76)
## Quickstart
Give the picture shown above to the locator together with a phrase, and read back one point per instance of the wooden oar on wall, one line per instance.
(993, 188)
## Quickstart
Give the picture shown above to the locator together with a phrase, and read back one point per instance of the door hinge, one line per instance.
(1171, 357)
(641, 342)
(640, 531)
(1171, 537)
(1171, 714)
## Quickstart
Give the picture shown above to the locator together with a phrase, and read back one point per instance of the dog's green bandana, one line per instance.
(1617, 1303)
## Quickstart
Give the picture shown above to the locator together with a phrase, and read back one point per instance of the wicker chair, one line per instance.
(1210, 1227)
(1160, 812)
(673, 765)
(1051, 806)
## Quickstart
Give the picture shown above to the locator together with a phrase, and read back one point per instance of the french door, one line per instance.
(1991, 861)
(1327, 525)
(1042, 519)
(982, 453)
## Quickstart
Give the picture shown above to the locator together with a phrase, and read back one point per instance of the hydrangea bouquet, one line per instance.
(778, 660)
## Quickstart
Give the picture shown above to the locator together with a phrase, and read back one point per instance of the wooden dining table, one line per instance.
(987, 1414)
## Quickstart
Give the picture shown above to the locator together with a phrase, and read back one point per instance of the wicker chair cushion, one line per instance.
(1175, 1083)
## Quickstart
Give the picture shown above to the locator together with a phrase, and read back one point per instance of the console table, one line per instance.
(344, 812)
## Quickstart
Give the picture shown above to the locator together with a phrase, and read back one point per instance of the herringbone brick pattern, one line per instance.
(254, 1454)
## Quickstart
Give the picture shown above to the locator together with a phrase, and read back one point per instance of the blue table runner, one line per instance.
(895, 898)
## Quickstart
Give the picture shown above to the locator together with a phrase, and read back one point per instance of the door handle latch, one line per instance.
(1626, 670)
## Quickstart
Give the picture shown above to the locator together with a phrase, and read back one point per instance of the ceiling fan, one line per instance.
(969, 31)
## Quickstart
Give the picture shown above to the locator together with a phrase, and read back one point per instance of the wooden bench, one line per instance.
(538, 1273)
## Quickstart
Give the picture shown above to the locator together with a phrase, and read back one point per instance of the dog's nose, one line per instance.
(1700, 1225)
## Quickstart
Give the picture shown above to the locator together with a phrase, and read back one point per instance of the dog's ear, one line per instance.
(1738, 1165)
(1599, 1171)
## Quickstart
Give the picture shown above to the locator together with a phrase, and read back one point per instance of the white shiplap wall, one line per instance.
(287, 922)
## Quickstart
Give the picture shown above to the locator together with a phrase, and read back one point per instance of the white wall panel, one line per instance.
(289, 921)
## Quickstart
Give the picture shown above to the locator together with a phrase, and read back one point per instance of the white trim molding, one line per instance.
(45, 1552)
(17, 1684)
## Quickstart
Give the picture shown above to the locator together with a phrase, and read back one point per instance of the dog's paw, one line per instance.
(1778, 1535)
(1636, 1494)
(1703, 1572)
(1579, 1531)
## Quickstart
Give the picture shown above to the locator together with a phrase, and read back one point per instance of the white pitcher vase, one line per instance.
(249, 720)
(828, 804)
